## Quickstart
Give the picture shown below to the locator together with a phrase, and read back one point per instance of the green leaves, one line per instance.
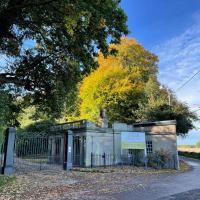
(155, 108)
(9, 109)
(65, 37)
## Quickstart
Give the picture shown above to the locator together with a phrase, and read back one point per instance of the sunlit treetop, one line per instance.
(118, 84)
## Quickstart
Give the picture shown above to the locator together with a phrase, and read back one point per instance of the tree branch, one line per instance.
(6, 78)
(30, 4)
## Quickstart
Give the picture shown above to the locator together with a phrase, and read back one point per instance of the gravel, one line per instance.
(86, 185)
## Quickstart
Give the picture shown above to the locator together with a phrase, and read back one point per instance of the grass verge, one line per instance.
(4, 180)
(184, 167)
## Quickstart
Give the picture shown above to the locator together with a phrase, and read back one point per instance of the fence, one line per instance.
(102, 160)
(33, 152)
(107, 160)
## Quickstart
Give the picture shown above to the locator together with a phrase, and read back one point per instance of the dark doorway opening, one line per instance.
(78, 151)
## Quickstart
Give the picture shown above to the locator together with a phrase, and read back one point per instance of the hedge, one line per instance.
(189, 154)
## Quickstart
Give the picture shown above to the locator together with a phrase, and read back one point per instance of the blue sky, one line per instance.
(154, 21)
(171, 29)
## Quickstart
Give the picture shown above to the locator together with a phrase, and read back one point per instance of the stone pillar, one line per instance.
(9, 151)
(81, 151)
(69, 151)
(177, 161)
(52, 150)
(88, 149)
(49, 149)
(61, 150)
(176, 157)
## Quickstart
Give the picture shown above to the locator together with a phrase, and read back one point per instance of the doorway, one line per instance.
(78, 151)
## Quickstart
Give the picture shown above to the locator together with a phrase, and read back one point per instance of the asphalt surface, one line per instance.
(182, 186)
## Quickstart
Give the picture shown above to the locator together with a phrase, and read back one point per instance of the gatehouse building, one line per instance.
(82, 143)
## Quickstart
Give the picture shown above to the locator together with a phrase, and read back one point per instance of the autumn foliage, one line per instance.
(118, 84)
(126, 85)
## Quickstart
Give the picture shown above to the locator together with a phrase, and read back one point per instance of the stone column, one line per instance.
(9, 151)
(177, 161)
(69, 151)
(176, 158)
(81, 151)
(53, 150)
(88, 149)
(61, 150)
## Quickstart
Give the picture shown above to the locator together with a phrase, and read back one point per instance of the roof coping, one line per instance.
(155, 123)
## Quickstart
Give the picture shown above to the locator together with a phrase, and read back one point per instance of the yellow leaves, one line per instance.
(125, 43)
(119, 80)
(107, 86)
(116, 80)
(112, 61)
(102, 23)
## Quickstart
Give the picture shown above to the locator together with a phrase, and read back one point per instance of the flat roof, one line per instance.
(84, 124)
(155, 123)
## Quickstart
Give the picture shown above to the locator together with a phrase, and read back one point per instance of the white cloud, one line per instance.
(179, 60)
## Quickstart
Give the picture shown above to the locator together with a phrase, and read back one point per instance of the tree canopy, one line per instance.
(155, 107)
(50, 44)
(127, 87)
(118, 84)
(9, 109)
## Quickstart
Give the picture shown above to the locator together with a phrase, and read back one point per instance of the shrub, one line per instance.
(189, 154)
(159, 159)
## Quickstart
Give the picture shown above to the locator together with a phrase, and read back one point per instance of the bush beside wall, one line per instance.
(159, 159)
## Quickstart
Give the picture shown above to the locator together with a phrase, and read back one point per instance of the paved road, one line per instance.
(183, 186)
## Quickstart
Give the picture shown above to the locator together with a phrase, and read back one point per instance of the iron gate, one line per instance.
(34, 152)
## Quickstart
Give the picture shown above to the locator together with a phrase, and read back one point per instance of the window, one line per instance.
(149, 147)
(131, 151)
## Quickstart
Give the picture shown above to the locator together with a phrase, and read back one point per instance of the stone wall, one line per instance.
(163, 136)
(100, 141)
(161, 133)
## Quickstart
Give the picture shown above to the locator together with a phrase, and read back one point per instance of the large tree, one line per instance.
(118, 84)
(127, 87)
(49, 44)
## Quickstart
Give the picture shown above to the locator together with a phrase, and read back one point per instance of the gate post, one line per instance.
(9, 151)
(69, 151)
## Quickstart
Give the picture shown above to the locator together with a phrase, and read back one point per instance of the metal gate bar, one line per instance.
(34, 153)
